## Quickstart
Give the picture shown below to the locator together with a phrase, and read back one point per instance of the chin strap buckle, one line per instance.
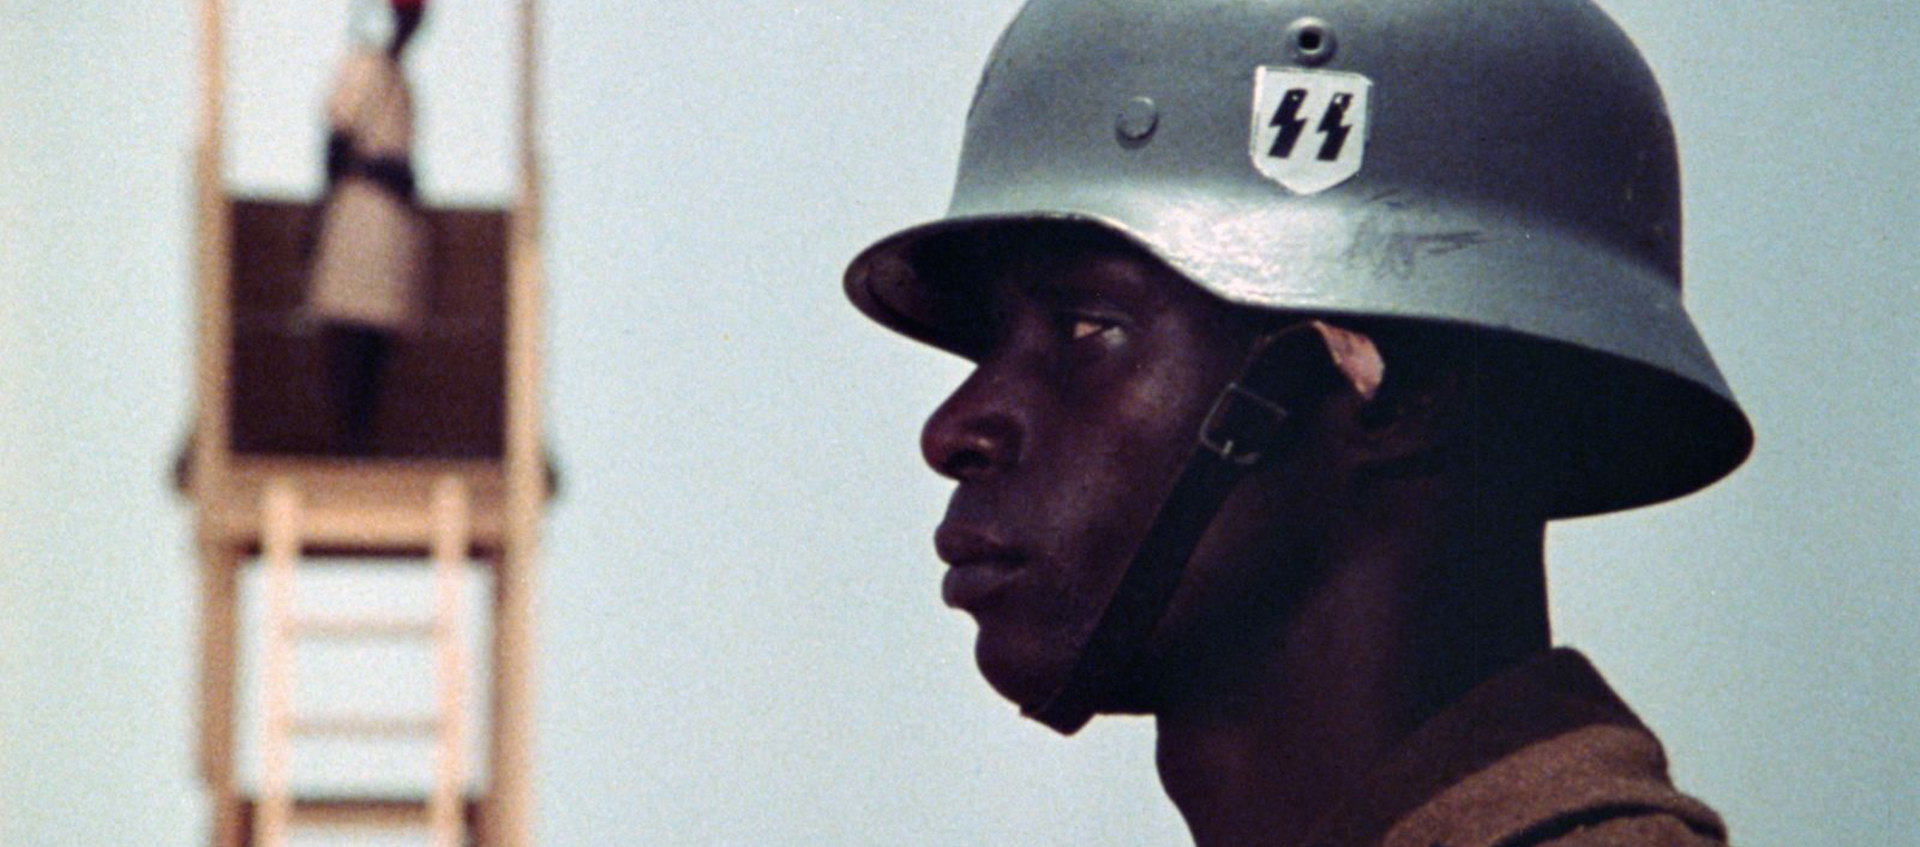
(1241, 426)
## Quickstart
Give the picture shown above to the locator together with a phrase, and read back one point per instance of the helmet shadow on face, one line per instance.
(1095, 364)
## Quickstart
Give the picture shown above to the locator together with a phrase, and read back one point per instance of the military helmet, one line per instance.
(1498, 165)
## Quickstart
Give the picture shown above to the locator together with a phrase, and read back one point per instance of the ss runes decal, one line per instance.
(1309, 127)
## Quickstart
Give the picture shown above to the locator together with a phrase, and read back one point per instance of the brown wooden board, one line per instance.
(442, 395)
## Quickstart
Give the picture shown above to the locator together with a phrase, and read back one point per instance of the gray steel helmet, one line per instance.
(1500, 165)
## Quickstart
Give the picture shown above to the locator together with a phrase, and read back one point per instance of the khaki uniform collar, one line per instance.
(1538, 750)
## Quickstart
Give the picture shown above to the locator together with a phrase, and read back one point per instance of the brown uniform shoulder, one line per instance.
(1649, 829)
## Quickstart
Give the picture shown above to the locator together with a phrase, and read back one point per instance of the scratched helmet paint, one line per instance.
(1505, 165)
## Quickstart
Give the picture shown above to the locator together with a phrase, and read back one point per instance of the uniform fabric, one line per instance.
(370, 264)
(1544, 755)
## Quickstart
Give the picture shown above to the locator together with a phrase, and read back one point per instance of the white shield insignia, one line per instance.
(1309, 127)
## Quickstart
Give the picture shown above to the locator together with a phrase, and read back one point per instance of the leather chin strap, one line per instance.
(1258, 418)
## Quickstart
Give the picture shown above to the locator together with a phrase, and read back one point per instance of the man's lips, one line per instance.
(980, 566)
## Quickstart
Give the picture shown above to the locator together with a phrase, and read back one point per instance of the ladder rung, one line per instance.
(361, 628)
(365, 727)
(366, 526)
(360, 814)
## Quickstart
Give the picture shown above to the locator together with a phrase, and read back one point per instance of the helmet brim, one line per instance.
(1645, 432)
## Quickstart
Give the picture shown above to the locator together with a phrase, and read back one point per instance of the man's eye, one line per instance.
(1084, 328)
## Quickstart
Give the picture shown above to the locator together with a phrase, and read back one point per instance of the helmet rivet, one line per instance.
(1137, 121)
(1312, 41)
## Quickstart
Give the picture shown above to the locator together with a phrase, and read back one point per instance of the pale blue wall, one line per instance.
(742, 641)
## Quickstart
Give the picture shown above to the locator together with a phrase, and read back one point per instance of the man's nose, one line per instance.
(977, 432)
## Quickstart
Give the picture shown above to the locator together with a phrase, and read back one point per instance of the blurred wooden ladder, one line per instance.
(444, 525)
(342, 504)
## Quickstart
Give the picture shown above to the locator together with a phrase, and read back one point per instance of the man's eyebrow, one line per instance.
(1066, 293)
(1061, 288)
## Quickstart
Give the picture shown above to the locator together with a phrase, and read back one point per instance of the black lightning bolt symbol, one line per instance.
(1288, 119)
(1335, 127)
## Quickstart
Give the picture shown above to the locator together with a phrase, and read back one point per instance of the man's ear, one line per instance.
(1390, 411)
(1355, 356)
(1407, 422)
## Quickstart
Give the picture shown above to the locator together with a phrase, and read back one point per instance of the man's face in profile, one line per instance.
(1095, 367)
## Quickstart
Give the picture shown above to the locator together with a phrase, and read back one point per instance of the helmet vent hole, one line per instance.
(1137, 120)
(1312, 41)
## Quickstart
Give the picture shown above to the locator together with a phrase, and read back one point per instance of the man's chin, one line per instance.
(1023, 672)
(1028, 674)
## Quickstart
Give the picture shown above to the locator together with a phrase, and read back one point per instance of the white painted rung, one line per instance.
(362, 629)
(356, 726)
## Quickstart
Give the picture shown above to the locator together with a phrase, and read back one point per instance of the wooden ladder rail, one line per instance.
(280, 542)
(508, 812)
(452, 526)
(212, 273)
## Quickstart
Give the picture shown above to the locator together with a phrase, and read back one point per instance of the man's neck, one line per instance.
(1398, 629)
